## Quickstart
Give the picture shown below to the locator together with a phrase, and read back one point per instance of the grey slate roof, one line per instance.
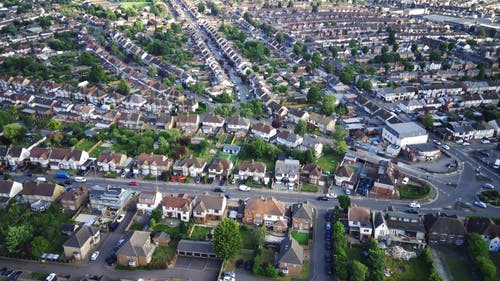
(136, 245)
(190, 246)
(291, 252)
(303, 211)
(81, 236)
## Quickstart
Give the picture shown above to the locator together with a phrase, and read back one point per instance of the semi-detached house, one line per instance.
(180, 206)
(267, 211)
(263, 131)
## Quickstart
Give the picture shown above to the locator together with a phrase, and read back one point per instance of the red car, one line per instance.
(133, 183)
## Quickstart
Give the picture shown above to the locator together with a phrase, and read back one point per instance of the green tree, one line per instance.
(428, 121)
(16, 237)
(201, 7)
(39, 245)
(375, 261)
(156, 214)
(227, 241)
(358, 271)
(314, 94)
(260, 235)
(435, 56)
(14, 132)
(344, 202)
(385, 49)
(414, 47)
(481, 32)
(280, 37)
(328, 104)
(334, 50)
(54, 125)
(354, 52)
(365, 49)
(300, 128)
(338, 237)
(123, 87)
(339, 133)
(341, 147)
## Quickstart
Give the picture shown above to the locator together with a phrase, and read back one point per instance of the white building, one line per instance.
(402, 134)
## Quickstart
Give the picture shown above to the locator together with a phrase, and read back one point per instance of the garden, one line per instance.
(490, 196)
(412, 192)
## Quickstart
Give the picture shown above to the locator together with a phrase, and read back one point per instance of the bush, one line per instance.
(411, 191)
(478, 248)
(110, 175)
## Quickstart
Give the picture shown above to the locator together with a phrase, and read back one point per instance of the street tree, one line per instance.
(328, 105)
(300, 128)
(227, 241)
(344, 202)
(358, 271)
(339, 238)
(39, 245)
(14, 132)
(339, 133)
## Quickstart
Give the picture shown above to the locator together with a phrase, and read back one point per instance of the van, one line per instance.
(62, 175)
(41, 179)
(497, 164)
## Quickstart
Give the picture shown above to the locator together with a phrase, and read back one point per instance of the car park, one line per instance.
(488, 186)
(94, 256)
(480, 204)
(80, 179)
(414, 205)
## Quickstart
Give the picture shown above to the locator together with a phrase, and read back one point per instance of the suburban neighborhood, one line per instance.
(249, 140)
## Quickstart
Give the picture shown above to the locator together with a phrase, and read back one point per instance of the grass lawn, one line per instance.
(136, 226)
(355, 252)
(165, 253)
(84, 145)
(329, 162)
(457, 263)
(411, 191)
(267, 255)
(137, 5)
(412, 270)
(233, 158)
(172, 231)
(309, 187)
(200, 233)
(301, 237)
(230, 265)
(248, 238)
(97, 150)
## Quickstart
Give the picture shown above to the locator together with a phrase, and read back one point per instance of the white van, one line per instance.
(41, 179)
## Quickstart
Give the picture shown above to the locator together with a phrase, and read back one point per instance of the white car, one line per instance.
(465, 143)
(445, 146)
(244, 188)
(488, 186)
(485, 141)
(120, 218)
(94, 256)
(80, 179)
(405, 180)
(459, 141)
(331, 195)
(436, 142)
(51, 277)
(414, 205)
(480, 204)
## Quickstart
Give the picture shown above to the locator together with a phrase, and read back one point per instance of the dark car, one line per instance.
(328, 245)
(222, 182)
(111, 260)
(219, 189)
(113, 226)
(411, 211)
(323, 198)
(328, 236)
(328, 216)
(328, 269)
(210, 180)
(328, 257)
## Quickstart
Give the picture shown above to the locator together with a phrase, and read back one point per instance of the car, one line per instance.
(210, 180)
(198, 179)
(120, 218)
(328, 245)
(230, 274)
(113, 226)
(42, 179)
(411, 211)
(445, 146)
(123, 174)
(328, 226)
(328, 269)
(328, 257)
(233, 181)
(51, 277)
(460, 141)
(414, 205)
(222, 182)
(111, 260)
(405, 180)
(488, 186)
(94, 256)
(133, 183)
(347, 191)
(436, 142)
(80, 179)
(248, 265)
(331, 195)
(243, 187)
(328, 236)
(219, 189)
(323, 198)
(118, 244)
(480, 204)
(465, 144)
(227, 195)
(485, 141)
(328, 216)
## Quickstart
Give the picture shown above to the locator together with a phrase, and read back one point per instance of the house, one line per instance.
(40, 156)
(287, 172)
(385, 179)
(66, 159)
(422, 152)
(137, 250)
(190, 248)
(312, 173)
(16, 155)
(73, 199)
(153, 164)
(402, 228)
(402, 134)
(303, 217)
(313, 144)
(111, 161)
(252, 169)
(108, 198)
(188, 124)
(238, 126)
(488, 230)
(289, 139)
(231, 149)
(380, 229)
(290, 257)
(189, 166)
(266, 211)
(3, 154)
(134, 102)
(212, 124)
(209, 208)
(264, 131)
(41, 191)
(220, 168)
(444, 230)
(8, 190)
(148, 201)
(344, 177)
(360, 224)
(82, 242)
(325, 125)
(161, 238)
(294, 115)
(180, 206)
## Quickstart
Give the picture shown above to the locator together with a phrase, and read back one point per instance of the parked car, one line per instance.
(411, 211)
(323, 198)
(51, 277)
(198, 179)
(123, 174)
(42, 179)
(331, 195)
(113, 226)
(219, 189)
(405, 180)
(111, 260)
(118, 244)
(465, 143)
(414, 205)
(436, 142)
(120, 218)
(80, 179)
(222, 182)
(133, 183)
(94, 256)
(233, 181)
(485, 141)
(445, 146)
(243, 187)
(488, 186)
(227, 195)
(347, 191)
(480, 204)
(328, 226)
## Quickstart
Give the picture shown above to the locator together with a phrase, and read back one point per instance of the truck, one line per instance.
(62, 175)
(497, 164)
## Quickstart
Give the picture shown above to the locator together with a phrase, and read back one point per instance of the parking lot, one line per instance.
(200, 269)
